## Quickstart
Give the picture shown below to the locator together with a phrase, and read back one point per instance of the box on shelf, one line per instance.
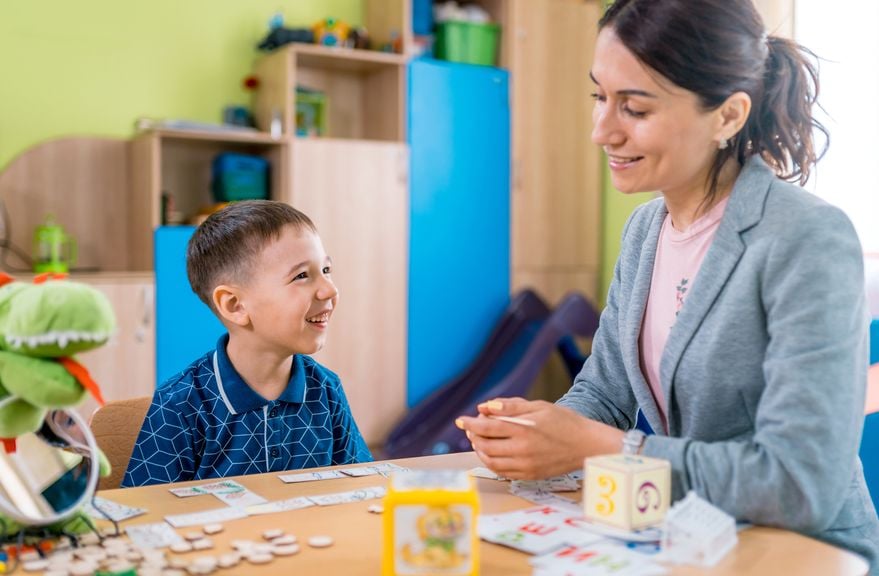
(467, 42)
(311, 117)
(239, 177)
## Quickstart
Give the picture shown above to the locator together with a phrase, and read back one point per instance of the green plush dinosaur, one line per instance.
(42, 325)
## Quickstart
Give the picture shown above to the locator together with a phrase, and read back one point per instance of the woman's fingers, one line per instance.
(507, 406)
(485, 427)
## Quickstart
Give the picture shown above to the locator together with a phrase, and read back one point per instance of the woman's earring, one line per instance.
(723, 144)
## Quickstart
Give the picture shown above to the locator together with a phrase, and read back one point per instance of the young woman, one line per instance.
(736, 319)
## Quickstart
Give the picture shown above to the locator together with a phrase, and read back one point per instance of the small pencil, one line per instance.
(513, 419)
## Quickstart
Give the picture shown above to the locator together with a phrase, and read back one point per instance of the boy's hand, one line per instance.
(557, 443)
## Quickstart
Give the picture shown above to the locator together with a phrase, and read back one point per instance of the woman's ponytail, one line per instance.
(782, 127)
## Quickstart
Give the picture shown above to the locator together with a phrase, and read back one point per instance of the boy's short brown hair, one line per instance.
(225, 246)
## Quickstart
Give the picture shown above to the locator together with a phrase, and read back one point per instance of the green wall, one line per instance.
(615, 209)
(91, 67)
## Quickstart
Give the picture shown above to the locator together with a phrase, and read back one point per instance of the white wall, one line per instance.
(845, 36)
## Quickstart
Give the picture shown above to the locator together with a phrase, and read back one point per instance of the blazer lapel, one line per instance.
(744, 210)
(634, 319)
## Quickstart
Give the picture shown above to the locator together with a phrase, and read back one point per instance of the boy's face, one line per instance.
(290, 296)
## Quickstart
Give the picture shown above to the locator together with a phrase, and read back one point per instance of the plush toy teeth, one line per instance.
(61, 339)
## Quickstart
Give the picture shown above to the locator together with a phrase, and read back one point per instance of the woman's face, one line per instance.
(656, 135)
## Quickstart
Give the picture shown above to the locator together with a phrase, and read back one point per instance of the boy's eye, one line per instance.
(301, 276)
(597, 97)
(327, 270)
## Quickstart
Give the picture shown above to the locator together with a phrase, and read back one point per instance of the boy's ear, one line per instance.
(227, 301)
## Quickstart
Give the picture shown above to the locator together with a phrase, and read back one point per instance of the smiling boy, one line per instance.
(258, 403)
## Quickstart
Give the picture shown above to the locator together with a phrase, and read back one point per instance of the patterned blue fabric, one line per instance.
(206, 422)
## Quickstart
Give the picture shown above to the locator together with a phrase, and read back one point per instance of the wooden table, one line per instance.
(358, 534)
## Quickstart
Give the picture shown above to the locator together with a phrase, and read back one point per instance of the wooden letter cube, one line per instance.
(430, 524)
(626, 491)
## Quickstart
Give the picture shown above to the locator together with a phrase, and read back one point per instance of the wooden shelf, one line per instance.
(220, 136)
(346, 59)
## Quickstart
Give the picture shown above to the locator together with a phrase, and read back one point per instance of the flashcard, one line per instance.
(101, 508)
(482, 472)
(536, 530)
(601, 559)
(158, 535)
(186, 492)
(540, 496)
(351, 496)
(206, 517)
(210, 488)
(387, 468)
(280, 506)
(240, 498)
(360, 471)
(221, 487)
(382, 469)
(312, 476)
(649, 534)
(555, 484)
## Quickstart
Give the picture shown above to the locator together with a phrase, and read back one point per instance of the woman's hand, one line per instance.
(556, 444)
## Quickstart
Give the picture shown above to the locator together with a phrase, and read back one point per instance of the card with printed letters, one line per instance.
(101, 508)
(601, 559)
(537, 530)
(158, 535)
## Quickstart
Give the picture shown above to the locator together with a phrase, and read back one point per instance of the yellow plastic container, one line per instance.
(430, 524)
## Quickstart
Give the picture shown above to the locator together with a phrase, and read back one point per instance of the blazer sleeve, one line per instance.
(796, 468)
(601, 391)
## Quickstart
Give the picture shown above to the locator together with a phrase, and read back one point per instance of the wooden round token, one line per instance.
(320, 541)
(272, 534)
(37, 565)
(181, 547)
(212, 528)
(284, 540)
(287, 550)
(81, 569)
(229, 560)
(243, 545)
(375, 509)
(203, 544)
(260, 558)
(193, 536)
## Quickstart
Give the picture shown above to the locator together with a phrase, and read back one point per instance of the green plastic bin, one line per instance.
(467, 42)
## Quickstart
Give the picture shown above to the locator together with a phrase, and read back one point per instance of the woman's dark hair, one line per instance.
(225, 247)
(715, 48)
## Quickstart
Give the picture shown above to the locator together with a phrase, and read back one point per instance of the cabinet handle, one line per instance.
(146, 314)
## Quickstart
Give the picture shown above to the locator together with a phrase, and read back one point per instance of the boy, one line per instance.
(257, 403)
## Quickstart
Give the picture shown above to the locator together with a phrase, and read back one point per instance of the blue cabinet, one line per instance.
(185, 327)
(459, 249)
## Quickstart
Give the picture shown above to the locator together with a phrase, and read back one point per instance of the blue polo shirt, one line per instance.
(206, 422)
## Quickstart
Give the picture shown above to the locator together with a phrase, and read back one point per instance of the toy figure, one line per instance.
(41, 326)
(331, 32)
(439, 529)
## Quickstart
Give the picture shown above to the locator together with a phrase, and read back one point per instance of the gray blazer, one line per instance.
(765, 370)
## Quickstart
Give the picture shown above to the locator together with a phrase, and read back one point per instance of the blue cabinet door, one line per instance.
(459, 260)
(185, 327)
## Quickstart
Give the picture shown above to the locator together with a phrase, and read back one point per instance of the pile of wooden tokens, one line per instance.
(119, 557)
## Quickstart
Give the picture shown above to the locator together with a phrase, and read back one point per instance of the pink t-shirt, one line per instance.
(678, 258)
